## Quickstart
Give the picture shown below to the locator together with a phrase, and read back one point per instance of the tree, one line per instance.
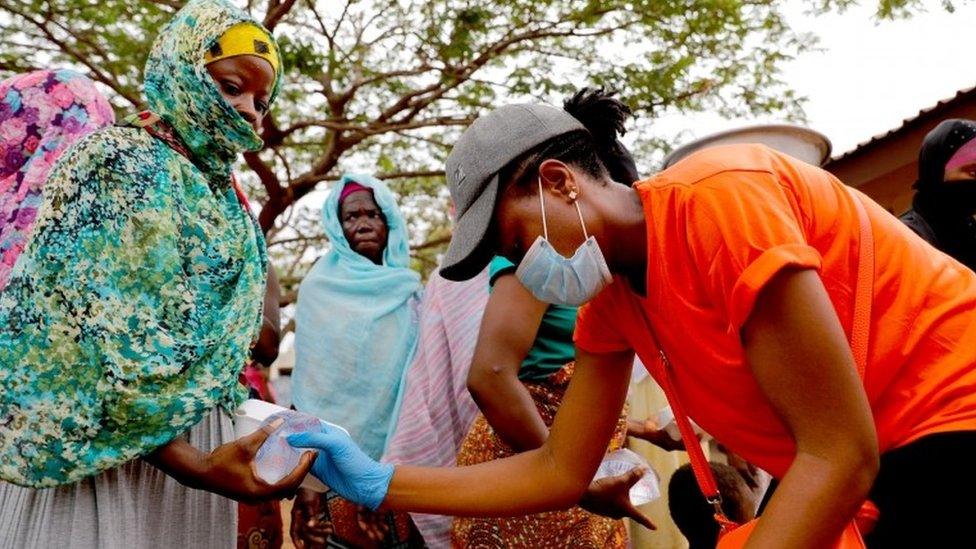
(386, 86)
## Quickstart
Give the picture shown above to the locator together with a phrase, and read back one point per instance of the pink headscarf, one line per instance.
(42, 113)
(964, 156)
(351, 187)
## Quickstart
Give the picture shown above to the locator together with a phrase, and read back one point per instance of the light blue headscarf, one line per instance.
(356, 327)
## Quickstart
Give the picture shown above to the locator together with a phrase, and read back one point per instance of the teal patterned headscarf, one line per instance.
(132, 310)
(180, 90)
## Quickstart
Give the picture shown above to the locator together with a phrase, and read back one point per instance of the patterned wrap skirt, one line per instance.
(572, 528)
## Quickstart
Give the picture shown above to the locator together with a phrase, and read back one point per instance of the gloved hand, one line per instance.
(344, 468)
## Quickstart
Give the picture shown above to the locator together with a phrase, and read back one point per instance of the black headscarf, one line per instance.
(946, 208)
(939, 146)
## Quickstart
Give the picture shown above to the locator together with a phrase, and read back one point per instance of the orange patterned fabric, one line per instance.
(573, 528)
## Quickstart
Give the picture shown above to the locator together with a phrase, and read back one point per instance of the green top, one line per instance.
(553, 346)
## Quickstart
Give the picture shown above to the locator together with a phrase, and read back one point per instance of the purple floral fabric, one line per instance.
(42, 113)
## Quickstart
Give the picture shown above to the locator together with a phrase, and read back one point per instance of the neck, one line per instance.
(627, 253)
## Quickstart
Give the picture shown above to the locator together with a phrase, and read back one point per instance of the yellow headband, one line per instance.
(244, 39)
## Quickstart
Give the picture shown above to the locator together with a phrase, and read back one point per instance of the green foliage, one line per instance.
(385, 86)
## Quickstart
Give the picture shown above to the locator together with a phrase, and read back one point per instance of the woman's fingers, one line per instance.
(373, 524)
(317, 532)
(297, 517)
(634, 514)
(306, 526)
(253, 441)
(634, 475)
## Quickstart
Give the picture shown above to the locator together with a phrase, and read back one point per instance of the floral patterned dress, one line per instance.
(42, 113)
(131, 311)
(129, 315)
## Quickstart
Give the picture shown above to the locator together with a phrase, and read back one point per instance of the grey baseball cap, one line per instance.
(487, 146)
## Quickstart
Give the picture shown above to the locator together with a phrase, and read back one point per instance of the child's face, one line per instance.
(246, 82)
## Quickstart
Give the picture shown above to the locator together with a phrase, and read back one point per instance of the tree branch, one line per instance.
(175, 4)
(311, 181)
(291, 240)
(77, 56)
(277, 9)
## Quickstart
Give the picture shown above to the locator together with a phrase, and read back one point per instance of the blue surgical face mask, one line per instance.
(559, 280)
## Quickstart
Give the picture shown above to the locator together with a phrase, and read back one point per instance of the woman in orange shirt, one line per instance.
(741, 263)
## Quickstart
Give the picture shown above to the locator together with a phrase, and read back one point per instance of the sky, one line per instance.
(867, 76)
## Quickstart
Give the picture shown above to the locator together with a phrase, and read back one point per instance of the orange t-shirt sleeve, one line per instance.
(742, 231)
(596, 329)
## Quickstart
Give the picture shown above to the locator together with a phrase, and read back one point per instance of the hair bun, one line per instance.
(602, 113)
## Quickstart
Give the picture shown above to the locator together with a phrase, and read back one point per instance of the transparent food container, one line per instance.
(276, 458)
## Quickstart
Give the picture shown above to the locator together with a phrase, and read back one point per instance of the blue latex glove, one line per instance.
(344, 468)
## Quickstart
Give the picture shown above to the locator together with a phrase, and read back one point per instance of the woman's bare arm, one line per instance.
(554, 476)
(508, 330)
(801, 358)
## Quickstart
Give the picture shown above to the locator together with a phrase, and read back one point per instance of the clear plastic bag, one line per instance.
(276, 458)
(646, 490)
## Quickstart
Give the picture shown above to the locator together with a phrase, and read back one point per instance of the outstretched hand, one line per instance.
(610, 497)
(229, 469)
(345, 468)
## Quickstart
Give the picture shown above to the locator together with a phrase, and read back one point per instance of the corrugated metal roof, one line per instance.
(941, 105)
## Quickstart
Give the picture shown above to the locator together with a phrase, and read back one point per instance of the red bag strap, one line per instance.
(239, 191)
(860, 334)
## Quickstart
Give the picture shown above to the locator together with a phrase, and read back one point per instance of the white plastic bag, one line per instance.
(646, 490)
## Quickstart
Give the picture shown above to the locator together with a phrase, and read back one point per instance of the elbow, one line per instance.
(475, 386)
(572, 493)
(482, 381)
(265, 351)
(856, 467)
(867, 462)
(266, 354)
(865, 458)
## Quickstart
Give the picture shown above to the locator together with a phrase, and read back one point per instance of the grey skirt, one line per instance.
(132, 506)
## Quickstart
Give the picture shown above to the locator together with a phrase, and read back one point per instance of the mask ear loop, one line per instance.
(579, 212)
(542, 204)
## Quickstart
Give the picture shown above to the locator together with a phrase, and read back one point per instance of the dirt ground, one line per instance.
(286, 518)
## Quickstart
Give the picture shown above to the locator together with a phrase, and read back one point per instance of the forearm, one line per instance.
(180, 460)
(511, 412)
(815, 501)
(527, 483)
(552, 477)
(639, 429)
(265, 350)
